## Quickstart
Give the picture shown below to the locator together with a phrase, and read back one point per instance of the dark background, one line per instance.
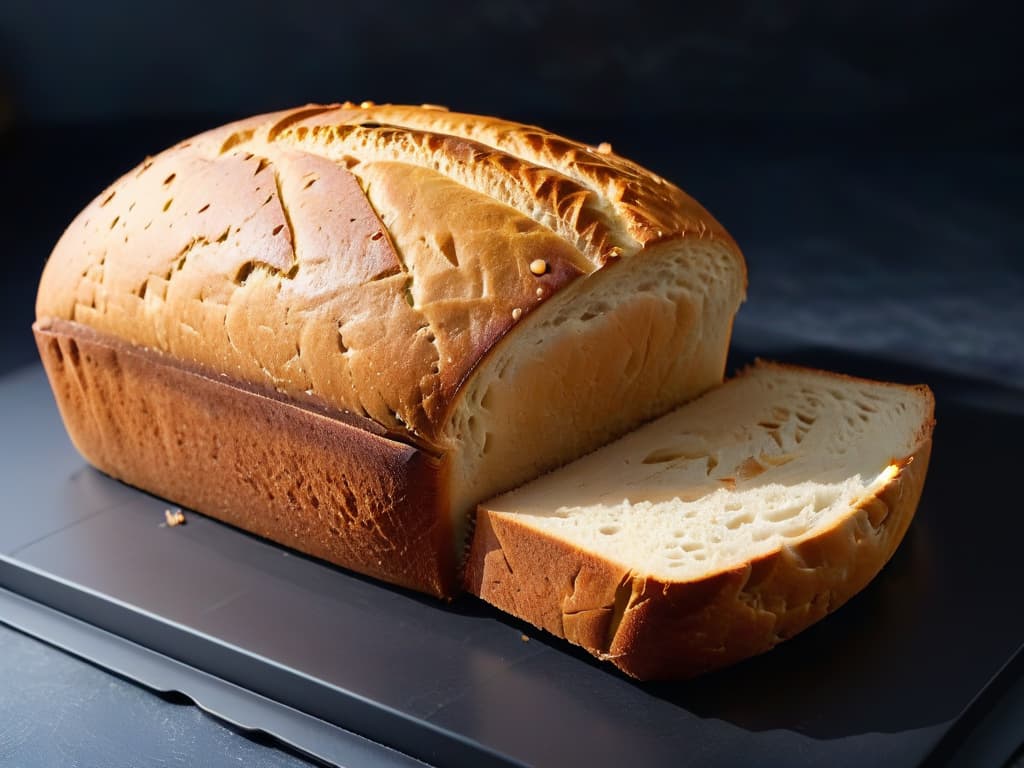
(866, 155)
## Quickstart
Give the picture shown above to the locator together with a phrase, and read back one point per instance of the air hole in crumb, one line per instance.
(803, 418)
(168, 204)
(169, 179)
(784, 512)
(204, 208)
(662, 455)
(738, 521)
(487, 400)
(824, 499)
(609, 530)
(277, 230)
(114, 222)
(692, 546)
(675, 555)
(678, 534)
(244, 272)
(487, 443)
(377, 235)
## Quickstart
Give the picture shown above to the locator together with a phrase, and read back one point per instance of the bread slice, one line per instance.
(492, 298)
(718, 530)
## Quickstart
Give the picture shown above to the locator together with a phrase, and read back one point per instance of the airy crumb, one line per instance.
(174, 517)
(524, 638)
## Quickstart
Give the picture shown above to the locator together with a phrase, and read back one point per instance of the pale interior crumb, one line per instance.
(763, 462)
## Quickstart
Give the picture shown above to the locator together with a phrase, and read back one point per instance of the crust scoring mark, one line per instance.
(294, 117)
(549, 197)
(294, 269)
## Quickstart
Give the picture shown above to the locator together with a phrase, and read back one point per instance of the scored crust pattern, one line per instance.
(363, 257)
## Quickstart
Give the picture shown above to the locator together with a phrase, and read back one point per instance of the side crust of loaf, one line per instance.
(653, 629)
(283, 471)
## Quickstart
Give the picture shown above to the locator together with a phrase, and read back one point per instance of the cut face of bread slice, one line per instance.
(716, 531)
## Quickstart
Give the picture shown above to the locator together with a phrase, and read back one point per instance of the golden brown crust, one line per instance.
(645, 205)
(654, 629)
(294, 474)
(368, 257)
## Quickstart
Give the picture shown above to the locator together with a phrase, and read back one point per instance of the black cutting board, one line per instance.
(882, 682)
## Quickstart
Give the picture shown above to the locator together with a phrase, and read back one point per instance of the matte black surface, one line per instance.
(84, 698)
(79, 699)
(440, 682)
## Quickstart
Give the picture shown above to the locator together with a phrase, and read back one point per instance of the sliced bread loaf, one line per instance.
(717, 531)
(463, 303)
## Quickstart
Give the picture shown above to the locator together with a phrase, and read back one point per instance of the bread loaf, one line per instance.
(341, 327)
(716, 531)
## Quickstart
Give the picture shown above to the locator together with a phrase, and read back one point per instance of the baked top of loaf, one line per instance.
(364, 257)
(718, 530)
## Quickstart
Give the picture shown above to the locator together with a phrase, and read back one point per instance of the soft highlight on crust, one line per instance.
(655, 627)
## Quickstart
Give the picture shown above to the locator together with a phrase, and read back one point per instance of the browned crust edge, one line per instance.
(285, 472)
(654, 629)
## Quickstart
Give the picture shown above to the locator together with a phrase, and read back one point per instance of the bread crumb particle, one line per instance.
(538, 266)
(604, 148)
(367, 104)
(174, 517)
(517, 313)
(524, 638)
